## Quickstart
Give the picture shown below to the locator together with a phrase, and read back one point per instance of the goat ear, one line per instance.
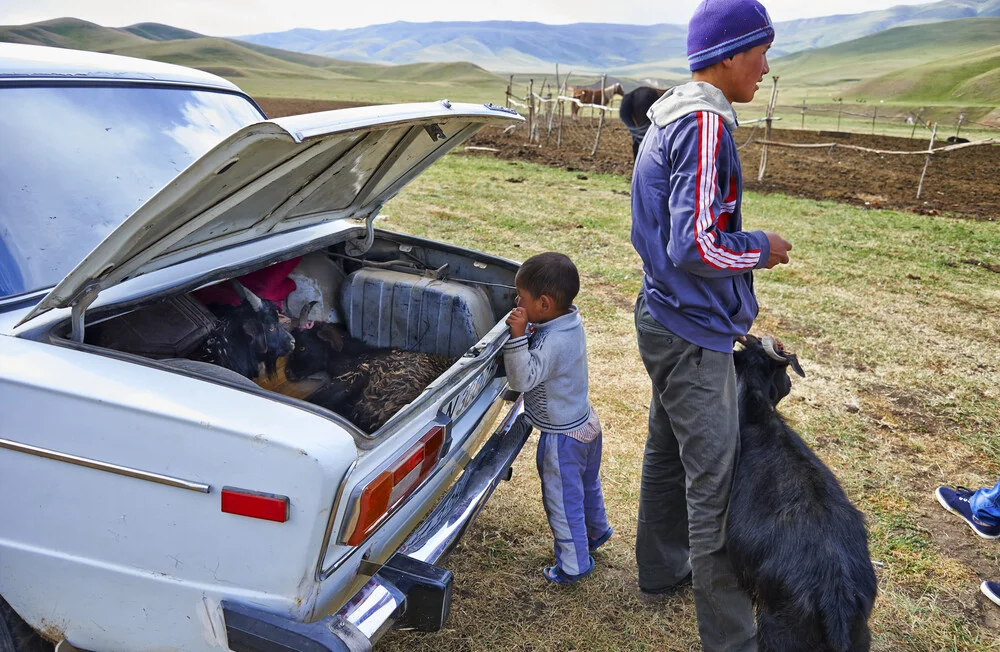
(331, 335)
(256, 335)
(794, 361)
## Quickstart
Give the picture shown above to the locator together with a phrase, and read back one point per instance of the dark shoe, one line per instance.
(991, 590)
(556, 575)
(653, 596)
(594, 544)
(956, 501)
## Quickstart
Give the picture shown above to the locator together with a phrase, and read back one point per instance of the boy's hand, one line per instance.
(779, 249)
(518, 322)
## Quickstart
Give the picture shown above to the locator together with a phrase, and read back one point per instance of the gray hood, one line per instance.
(691, 97)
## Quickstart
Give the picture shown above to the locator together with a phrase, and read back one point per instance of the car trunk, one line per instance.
(372, 331)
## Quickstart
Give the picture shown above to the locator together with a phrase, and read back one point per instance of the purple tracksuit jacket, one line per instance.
(687, 188)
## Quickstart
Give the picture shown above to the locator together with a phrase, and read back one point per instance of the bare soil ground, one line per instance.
(964, 182)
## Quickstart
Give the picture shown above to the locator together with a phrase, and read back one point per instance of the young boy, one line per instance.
(697, 298)
(548, 363)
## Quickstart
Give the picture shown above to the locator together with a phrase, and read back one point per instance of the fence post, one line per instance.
(840, 109)
(600, 125)
(767, 132)
(803, 113)
(874, 115)
(531, 107)
(510, 85)
(930, 151)
(961, 119)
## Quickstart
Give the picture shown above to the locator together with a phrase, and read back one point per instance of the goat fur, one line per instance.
(797, 544)
(367, 385)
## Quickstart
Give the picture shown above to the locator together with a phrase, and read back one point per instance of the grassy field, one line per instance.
(894, 320)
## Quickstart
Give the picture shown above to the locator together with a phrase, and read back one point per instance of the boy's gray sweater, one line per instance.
(550, 368)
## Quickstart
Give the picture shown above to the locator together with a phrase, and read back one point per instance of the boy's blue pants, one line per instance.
(571, 492)
(985, 504)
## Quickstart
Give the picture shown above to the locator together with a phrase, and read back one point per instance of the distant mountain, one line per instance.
(635, 50)
(265, 71)
(497, 45)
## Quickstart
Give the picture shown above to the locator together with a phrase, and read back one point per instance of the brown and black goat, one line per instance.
(797, 544)
(367, 385)
(247, 335)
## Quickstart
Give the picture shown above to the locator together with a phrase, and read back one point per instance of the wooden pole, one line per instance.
(531, 108)
(874, 115)
(803, 113)
(600, 125)
(510, 86)
(930, 151)
(551, 108)
(840, 109)
(767, 132)
(961, 119)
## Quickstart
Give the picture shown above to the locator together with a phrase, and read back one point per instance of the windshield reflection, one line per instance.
(77, 160)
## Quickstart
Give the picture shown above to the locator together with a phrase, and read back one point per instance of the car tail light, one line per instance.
(255, 504)
(387, 490)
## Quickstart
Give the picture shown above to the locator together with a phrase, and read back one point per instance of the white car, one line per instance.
(152, 500)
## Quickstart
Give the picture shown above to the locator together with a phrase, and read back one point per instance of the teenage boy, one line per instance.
(697, 299)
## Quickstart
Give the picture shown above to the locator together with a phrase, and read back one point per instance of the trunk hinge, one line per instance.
(80, 305)
(359, 246)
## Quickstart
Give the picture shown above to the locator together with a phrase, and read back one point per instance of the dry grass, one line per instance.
(893, 329)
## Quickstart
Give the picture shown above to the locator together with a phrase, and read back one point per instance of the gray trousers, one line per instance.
(687, 476)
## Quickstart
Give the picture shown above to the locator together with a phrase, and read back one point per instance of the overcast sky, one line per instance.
(235, 17)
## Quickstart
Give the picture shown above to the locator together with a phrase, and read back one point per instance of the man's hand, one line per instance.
(779, 249)
(518, 322)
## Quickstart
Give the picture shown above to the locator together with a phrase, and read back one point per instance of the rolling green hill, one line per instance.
(971, 78)
(70, 33)
(902, 55)
(158, 32)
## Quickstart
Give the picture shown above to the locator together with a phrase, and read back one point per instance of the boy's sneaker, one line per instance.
(956, 501)
(991, 590)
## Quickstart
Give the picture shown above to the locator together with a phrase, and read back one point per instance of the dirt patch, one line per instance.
(960, 182)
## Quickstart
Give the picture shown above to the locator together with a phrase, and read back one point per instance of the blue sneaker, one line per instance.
(991, 590)
(956, 501)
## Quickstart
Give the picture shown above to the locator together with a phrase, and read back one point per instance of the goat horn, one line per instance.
(247, 295)
(772, 348)
(304, 313)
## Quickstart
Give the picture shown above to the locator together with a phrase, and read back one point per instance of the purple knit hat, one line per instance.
(720, 29)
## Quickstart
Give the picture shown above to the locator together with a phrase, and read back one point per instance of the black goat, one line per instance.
(635, 105)
(247, 335)
(367, 385)
(797, 544)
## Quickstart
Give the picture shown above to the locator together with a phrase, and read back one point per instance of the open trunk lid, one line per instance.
(274, 176)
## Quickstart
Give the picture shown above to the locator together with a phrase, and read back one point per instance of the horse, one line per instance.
(635, 105)
(595, 96)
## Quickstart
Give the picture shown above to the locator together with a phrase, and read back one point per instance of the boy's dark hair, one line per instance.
(552, 274)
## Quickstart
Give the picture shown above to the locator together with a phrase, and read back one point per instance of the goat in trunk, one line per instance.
(366, 385)
(247, 336)
(797, 544)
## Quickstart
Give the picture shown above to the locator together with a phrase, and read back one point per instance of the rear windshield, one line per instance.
(77, 160)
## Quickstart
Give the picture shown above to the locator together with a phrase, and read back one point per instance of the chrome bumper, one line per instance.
(382, 602)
